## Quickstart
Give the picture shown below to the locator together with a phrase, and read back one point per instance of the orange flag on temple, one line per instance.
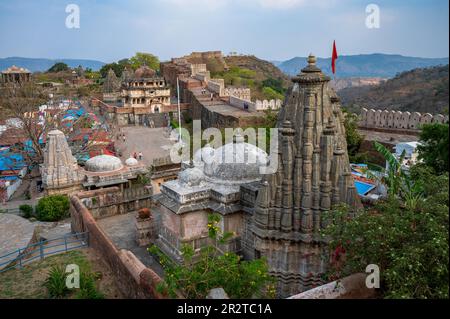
(333, 58)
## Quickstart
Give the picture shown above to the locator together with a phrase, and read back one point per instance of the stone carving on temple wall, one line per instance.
(397, 120)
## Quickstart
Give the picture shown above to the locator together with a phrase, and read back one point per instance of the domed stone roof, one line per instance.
(131, 161)
(236, 163)
(203, 155)
(103, 163)
(191, 177)
(144, 72)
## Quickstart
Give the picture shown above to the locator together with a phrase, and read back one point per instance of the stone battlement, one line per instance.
(385, 119)
(258, 105)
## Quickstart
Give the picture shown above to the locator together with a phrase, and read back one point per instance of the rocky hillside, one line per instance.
(264, 79)
(420, 90)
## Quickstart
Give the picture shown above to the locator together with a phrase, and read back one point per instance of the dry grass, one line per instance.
(27, 283)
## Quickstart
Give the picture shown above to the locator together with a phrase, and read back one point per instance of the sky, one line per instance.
(270, 29)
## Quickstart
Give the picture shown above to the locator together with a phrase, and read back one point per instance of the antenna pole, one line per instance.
(179, 110)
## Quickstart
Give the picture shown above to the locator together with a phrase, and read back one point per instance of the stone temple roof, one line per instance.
(103, 163)
(15, 69)
(236, 163)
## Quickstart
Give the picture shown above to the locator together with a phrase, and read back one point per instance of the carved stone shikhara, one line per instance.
(60, 171)
(313, 175)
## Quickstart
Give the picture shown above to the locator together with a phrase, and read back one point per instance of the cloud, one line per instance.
(281, 4)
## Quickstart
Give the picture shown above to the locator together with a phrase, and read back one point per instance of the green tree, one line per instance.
(270, 94)
(212, 268)
(434, 148)
(117, 68)
(141, 58)
(52, 208)
(275, 84)
(394, 176)
(410, 246)
(59, 67)
(354, 139)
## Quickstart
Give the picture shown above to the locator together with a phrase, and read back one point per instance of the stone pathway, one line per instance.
(120, 229)
(15, 232)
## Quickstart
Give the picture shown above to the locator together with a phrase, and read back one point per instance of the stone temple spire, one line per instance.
(60, 171)
(112, 83)
(313, 175)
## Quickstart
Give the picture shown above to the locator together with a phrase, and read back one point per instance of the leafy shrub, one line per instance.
(270, 94)
(211, 269)
(52, 208)
(56, 282)
(88, 289)
(27, 210)
(408, 242)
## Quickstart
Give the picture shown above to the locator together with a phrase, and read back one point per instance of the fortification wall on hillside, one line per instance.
(385, 119)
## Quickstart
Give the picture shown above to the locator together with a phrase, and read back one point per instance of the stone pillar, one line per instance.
(145, 232)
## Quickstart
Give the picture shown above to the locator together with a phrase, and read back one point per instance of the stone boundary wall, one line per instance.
(385, 119)
(266, 104)
(239, 92)
(198, 68)
(133, 278)
(217, 86)
(255, 106)
(351, 287)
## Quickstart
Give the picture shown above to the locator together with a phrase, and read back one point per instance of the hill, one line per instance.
(264, 79)
(420, 90)
(42, 65)
(364, 65)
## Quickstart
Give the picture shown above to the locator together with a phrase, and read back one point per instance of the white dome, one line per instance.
(103, 163)
(131, 161)
(191, 177)
(204, 155)
(236, 162)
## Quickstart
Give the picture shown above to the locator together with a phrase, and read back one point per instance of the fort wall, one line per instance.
(133, 278)
(397, 120)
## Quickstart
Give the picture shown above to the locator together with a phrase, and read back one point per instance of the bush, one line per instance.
(56, 282)
(87, 287)
(211, 269)
(27, 210)
(409, 243)
(52, 208)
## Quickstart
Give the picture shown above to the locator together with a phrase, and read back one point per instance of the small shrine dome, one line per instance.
(103, 163)
(131, 162)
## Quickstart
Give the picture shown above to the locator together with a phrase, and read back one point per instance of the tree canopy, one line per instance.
(59, 67)
(434, 148)
(148, 59)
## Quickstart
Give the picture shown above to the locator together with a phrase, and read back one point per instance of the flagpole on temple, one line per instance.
(179, 111)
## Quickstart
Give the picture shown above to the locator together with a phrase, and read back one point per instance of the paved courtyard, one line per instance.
(152, 142)
(120, 229)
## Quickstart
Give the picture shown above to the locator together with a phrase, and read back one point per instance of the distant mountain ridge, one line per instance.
(422, 90)
(41, 65)
(363, 65)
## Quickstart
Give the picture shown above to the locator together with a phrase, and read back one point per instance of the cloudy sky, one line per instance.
(270, 29)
